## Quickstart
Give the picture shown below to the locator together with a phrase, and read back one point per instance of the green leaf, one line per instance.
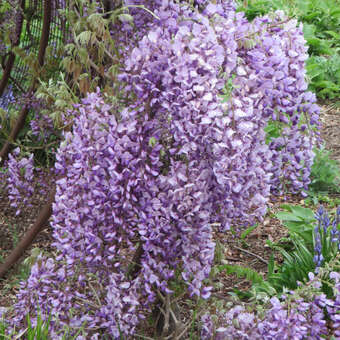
(333, 34)
(84, 37)
(287, 216)
(335, 13)
(309, 31)
(271, 265)
(248, 231)
(305, 214)
(313, 70)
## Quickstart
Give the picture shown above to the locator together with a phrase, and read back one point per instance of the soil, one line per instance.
(253, 252)
(330, 132)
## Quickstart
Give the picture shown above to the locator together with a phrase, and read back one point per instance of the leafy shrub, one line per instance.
(325, 172)
(314, 241)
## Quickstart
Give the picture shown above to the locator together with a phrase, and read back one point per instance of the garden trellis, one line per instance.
(38, 25)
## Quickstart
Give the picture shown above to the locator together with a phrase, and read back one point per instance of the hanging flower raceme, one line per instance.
(180, 68)
(275, 49)
(20, 177)
(100, 196)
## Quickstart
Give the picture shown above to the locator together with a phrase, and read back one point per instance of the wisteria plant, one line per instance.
(143, 181)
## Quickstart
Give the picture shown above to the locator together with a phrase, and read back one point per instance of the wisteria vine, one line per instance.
(186, 154)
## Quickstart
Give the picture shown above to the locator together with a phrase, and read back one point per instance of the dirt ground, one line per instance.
(330, 133)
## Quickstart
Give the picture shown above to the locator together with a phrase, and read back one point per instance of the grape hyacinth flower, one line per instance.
(326, 236)
(318, 257)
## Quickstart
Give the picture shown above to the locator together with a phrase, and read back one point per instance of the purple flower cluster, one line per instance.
(165, 169)
(42, 126)
(20, 178)
(57, 290)
(275, 50)
(333, 307)
(297, 318)
(182, 83)
(97, 210)
(7, 98)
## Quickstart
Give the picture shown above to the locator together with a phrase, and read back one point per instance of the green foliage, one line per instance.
(324, 75)
(3, 331)
(37, 332)
(245, 233)
(325, 172)
(40, 331)
(297, 252)
(300, 260)
(317, 198)
(296, 265)
(299, 222)
(59, 97)
(273, 130)
(248, 231)
(248, 273)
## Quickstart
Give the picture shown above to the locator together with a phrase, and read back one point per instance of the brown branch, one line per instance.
(30, 235)
(45, 31)
(135, 266)
(252, 254)
(7, 72)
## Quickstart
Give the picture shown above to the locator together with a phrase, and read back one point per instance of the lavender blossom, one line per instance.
(19, 180)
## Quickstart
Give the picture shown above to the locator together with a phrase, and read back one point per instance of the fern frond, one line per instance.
(240, 271)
